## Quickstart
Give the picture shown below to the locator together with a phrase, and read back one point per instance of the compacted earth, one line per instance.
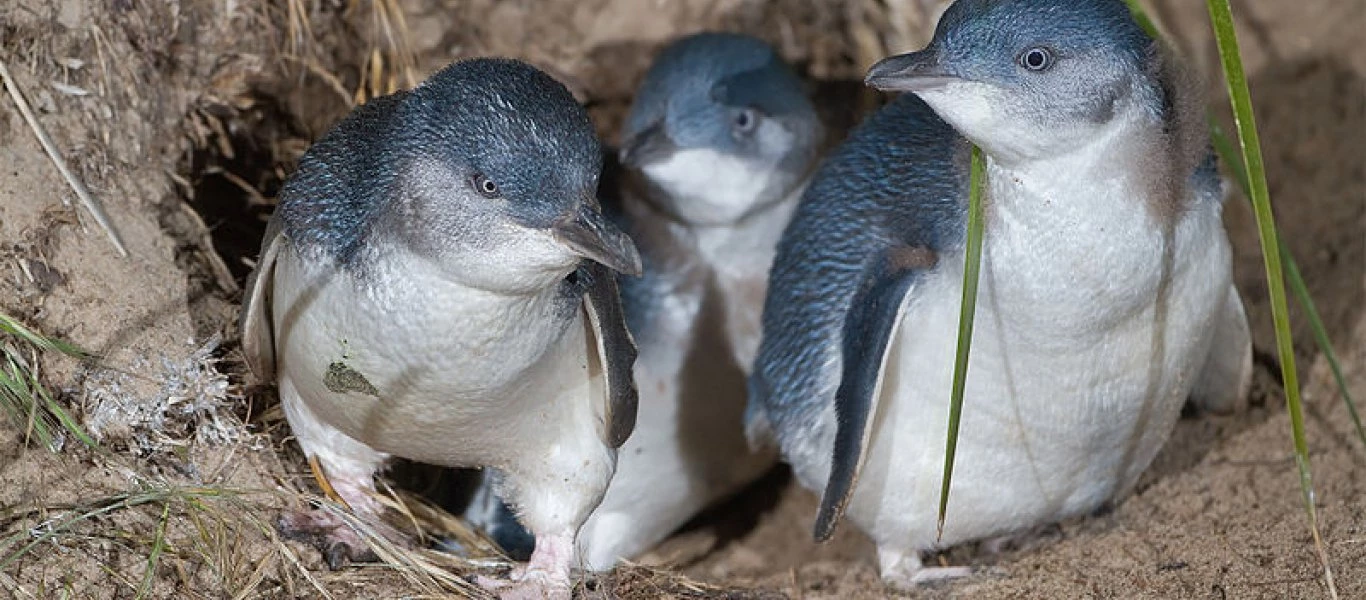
(183, 118)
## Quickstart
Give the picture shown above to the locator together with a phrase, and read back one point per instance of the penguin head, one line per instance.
(722, 126)
(1025, 79)
(497, 169)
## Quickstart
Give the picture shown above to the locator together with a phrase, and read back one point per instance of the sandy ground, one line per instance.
(184, 117)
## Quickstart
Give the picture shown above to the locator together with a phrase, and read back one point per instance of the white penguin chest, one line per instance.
(717, 296)
(419, 367)
(1091, 321)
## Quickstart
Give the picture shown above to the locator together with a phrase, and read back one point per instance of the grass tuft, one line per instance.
(23, 397)
(213, 528)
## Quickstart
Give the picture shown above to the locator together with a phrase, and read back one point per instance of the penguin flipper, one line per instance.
(615, 351)
(1222, 385)
(870, 328)
(255, 323)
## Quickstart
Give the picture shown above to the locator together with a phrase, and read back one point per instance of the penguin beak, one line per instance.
(588, 234)
(913, 72)
(650, 145)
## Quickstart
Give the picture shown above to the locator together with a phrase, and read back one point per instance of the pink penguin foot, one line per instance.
(326, 531)
(546, 575)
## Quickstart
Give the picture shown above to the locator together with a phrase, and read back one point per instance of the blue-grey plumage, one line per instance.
(355, 173)
(896, 183)
(1106, 295)
(717, 147)
(720, 128)
(434, 285)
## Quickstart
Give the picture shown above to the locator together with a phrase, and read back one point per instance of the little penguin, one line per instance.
(434, 285)
(718, 145)
(1105, 301)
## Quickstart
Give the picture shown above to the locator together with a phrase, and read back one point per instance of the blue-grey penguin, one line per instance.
(1106, 295)
(719, 143)
(434, 285)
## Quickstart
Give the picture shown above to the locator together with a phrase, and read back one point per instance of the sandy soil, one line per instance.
(185, 117)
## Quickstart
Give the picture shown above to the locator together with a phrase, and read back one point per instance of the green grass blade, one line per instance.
(1230, 156)
(968, 309)
(158, 545)
(1321, 337)
(1233, 160)
(24, 398)
(63, 417)
(1141, 17)
(13, 327)
(1240, 97)
(18, 399)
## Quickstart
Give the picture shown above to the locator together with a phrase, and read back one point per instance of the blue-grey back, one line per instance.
(900, 180)
(331, 200)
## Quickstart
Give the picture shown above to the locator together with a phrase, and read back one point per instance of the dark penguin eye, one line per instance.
(1036, 59)
(484, 185)
(746, 120)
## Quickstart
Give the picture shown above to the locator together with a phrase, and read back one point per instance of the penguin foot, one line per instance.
(925, 576)
(327, 532)
(527, 584)
(903, 570)
(545, 576)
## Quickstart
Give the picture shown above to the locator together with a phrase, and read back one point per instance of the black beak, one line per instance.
(589, 235)
(914, 72)
(650, 145)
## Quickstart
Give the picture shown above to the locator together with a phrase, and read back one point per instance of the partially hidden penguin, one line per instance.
(718, 146)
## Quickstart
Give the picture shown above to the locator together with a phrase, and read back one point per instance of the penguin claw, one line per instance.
(338, 543)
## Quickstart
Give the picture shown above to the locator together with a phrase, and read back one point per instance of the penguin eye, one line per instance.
(1036, 59)
(745, 120)
(484, 185)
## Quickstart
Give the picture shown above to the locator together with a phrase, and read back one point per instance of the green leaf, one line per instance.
(1241, 99)
(1141, 17)
(13, 327)
(967, 310)
(154, 557)
(24, 398)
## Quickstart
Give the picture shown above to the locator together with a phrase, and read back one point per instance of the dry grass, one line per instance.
(638, 581)
(392, 66)
(50, 147)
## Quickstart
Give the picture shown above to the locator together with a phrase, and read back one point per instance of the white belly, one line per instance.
(422, 369)
(689, 447)
(1071, 391)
